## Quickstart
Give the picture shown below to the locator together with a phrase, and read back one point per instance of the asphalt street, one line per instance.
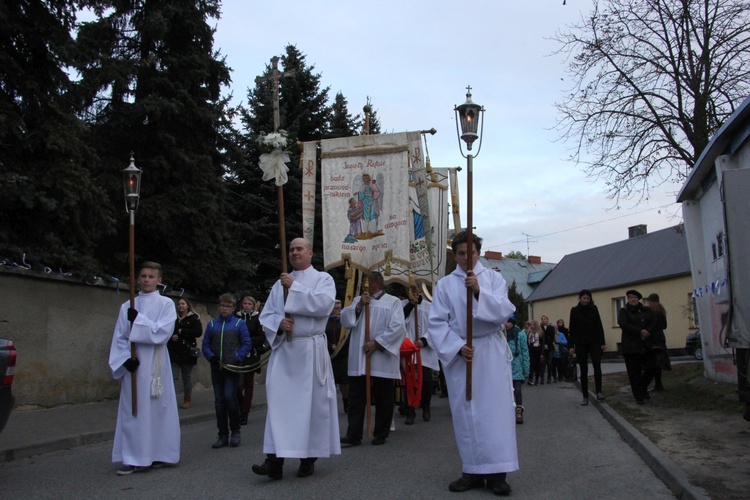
(565, 451)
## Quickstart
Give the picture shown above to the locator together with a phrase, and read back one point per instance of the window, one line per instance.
(693, 315)
(617, 304)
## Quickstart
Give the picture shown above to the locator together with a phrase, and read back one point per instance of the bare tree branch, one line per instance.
(652, 81)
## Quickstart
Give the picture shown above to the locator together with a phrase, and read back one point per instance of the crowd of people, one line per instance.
(380, 349)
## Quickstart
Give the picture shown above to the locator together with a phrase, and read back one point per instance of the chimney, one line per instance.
(635, 231)
(533, 259)
(489, 254)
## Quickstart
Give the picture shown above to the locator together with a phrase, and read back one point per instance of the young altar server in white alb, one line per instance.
(152, 438)
(421, 339)
(302, 420)
(387, 333)
(485, 426)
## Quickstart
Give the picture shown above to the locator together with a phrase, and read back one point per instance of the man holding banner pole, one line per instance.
(387, 331)
(484, 426)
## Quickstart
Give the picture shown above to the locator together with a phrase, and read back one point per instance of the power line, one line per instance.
(579, 227)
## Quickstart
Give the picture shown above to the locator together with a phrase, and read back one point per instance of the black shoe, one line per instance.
(243, 418)
(350, 441)
(409, 419)
(641, 401)
(221, 442)
(379, 440)
(466, 482)
(499, 487)
(306, 467)
(426, 415)
(270, 468)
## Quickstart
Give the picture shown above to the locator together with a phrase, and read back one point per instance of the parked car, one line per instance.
(7, 368)
(693, 345)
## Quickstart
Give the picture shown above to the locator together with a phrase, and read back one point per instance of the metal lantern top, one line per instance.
(469, 114)
(132, 185)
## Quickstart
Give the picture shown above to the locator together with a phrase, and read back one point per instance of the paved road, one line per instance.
(566, 451)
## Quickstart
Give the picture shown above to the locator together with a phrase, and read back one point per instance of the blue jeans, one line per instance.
(225, 399)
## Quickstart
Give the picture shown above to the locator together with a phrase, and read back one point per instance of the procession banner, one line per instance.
(309, 165)
(365, 198)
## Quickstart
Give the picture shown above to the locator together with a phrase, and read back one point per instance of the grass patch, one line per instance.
(685, 388)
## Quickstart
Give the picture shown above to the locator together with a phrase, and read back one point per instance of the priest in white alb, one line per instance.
(302, 419)
(152, 438)
(485, 426)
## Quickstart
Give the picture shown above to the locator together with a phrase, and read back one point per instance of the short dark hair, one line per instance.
(151, 265)
(376, 277)
(463, 237)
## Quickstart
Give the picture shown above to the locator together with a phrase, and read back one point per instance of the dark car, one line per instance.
(7, 367)
(693, 345)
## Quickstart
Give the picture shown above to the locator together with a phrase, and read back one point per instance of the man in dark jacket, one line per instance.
(637, 323)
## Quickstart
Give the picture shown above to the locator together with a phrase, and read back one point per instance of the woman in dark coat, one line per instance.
(187, 328)
(638, 323)
(587, 338)
(656, 345)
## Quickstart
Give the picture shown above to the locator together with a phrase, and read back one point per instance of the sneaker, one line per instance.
(243, 418)
(519, 414)
(585, 402)
(234, 439)
(126, 470)
(600, 396)
(221, 442)
(466, 482)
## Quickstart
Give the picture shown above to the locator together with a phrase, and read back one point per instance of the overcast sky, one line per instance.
(414, 58)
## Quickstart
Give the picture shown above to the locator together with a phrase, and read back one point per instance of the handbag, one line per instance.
(195, 352)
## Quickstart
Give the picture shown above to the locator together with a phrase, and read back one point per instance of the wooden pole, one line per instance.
(368, 391)
(469, 261)
(133, 354)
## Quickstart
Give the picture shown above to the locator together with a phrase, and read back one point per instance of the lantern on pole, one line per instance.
(471, 117)
(132, 186)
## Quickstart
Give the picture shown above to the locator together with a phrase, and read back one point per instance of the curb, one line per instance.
(663, 466)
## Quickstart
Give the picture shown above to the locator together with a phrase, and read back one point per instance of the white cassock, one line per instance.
(485, 427)
(428, 354)
(302, 419)
(386, 328)
(154, 434)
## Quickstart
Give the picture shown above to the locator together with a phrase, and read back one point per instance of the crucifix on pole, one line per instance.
(274, 75)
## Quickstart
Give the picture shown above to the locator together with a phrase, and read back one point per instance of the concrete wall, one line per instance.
(62, 329)
(674, 294)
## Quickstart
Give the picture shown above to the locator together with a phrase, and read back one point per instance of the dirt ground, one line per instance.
(712, 447)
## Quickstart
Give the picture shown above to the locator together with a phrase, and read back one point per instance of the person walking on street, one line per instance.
(519, 346)
(387, 332)
(181, 346)
(226, 343)
(152, 438)
(637, 323)
(302, 420)
(587, 339)
(656, 346)
(484, 426)
(426, 351)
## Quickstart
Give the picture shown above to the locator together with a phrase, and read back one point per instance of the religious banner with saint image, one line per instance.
(365, 197)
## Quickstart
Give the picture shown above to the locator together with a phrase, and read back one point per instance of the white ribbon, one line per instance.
(273, 165)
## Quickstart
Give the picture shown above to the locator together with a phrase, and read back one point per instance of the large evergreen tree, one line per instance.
(305, 115)
(51, 207)
(152, 83)
(343, 124)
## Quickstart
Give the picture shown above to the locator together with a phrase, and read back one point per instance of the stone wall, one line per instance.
(62, 329)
